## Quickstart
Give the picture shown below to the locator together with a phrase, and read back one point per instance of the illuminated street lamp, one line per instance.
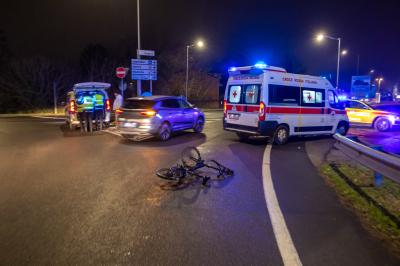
(379, 80)
(378, 92)
(198, 44)
(320, 38)
(344, 52)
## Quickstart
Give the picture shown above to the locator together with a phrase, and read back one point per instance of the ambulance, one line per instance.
(263, 100)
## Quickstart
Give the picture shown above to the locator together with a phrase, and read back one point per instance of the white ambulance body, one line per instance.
(263, 100)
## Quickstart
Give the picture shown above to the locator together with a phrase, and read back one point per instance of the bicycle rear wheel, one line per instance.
(191, 157)
(173, 173)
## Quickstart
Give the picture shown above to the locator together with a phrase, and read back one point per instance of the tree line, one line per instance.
(29, 83)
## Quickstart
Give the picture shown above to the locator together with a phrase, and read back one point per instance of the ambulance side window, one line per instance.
(313, 97)
(235, 92)
(334, 101)
(251, 94)
(284, 95)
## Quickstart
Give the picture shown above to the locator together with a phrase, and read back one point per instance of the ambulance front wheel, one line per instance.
(281, 135)
(242, 136)
(342, 128)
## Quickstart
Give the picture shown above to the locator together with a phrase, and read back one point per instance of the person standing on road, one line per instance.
(85, 107)
(117, 104)
(98, 99)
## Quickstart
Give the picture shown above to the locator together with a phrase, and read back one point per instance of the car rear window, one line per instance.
(138, 104)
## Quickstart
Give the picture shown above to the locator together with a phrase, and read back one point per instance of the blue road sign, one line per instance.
(144, 69)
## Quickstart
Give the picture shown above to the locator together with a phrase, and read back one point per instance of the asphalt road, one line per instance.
(67, 198)
(389, 141)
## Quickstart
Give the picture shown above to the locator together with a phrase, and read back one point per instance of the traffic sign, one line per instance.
(144, 69)
(146, 52)
(120, 72)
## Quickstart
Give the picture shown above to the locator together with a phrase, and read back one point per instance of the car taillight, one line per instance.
(119, 111)
(148, 113)
(108, 105)
(261, 114)
(72, 107)
(224, 108)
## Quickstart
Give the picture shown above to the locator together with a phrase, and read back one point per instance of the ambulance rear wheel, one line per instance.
(281, 135)
(243, 137)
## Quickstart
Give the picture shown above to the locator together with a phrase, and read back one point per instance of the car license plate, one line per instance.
(129, 124)
(234, 116)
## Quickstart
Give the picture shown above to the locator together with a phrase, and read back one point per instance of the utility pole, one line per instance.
(55, 96)
(139, 82)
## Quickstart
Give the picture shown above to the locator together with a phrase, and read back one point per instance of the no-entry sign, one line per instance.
(120, 72)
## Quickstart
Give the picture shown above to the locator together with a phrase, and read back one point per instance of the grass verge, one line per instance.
(368, 207)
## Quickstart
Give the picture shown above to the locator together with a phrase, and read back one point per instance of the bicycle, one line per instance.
(191, 162)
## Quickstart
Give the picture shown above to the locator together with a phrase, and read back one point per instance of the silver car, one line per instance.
(158, 116)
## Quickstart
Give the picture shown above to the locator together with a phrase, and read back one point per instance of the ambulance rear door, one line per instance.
(243, 103)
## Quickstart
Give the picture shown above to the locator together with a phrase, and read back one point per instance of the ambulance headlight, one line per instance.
(232, 69)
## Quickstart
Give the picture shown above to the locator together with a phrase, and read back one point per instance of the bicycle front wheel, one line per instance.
(174, 174)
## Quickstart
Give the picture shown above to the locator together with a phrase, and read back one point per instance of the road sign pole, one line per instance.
(121, 87)
(151, 86)
(139, 82)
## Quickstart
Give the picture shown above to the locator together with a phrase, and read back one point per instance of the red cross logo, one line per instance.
(251, 94)
(234, 94)
(309, 97)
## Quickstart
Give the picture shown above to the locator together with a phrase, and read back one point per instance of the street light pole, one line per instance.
(320, 37)
(199, 44)
(187, 71)
(139, 82)
(338, 65)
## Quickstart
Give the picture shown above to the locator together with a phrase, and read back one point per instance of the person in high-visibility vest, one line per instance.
(98, 99)
(84, 106)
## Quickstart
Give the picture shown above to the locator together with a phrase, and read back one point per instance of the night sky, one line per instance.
(236, 32)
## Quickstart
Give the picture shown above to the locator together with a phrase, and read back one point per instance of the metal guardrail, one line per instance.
(378, 161)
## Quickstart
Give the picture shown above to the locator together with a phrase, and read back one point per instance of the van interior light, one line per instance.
(260, 64)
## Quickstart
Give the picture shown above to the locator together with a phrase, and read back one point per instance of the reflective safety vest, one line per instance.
(84, 103)
(98, 101)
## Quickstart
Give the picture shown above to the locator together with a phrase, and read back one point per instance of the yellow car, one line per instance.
(361, 113)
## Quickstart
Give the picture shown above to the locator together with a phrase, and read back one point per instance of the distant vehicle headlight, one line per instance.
(392, 118)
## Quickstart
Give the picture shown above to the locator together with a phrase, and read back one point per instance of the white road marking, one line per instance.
(112, 132)
(49, 117)
(285, 244)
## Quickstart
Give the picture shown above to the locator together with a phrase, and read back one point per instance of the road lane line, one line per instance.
(48, 117)
(285, 243)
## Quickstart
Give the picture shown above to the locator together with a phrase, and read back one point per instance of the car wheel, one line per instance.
(243, 137)
(165, 132)
(281, 135)
(198, 128)
(382, 124)
(342, 128)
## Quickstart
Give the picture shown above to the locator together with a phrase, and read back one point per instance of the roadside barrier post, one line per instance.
(378, 177)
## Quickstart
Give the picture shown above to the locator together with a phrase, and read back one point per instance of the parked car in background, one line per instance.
(158, 116)
(364, 114)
